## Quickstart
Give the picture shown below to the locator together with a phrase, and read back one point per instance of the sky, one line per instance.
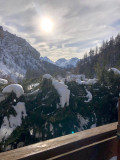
(78, 25)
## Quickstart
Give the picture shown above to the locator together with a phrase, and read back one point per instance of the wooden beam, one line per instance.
(54, 147)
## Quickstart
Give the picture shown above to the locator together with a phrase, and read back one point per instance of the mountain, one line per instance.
(46, 108)
(71, 63)
(62, 62)
(19, 60)
(47, 59)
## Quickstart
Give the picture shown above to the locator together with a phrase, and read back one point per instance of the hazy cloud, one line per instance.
(78, 25)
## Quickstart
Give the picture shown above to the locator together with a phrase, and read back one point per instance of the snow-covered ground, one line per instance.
(86, 81)
(3, 81)
(16, 88)
(115, 70)
(80, 79)
(47, 76)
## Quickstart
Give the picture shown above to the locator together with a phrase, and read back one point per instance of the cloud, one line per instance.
(78, 25)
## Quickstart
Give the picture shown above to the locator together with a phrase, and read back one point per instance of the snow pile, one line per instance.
(21, 112)
(91, 81)
(9, 124)
(62, 90)
(89, 96)
(3, 81)
(115, 70)
(47, 76)
(80, 82)
(87, 82)
(16, 88)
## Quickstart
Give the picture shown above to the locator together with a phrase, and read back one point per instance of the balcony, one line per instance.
(100, 143)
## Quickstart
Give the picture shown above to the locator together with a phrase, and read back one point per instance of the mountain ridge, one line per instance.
(19, 60)
(62, 62)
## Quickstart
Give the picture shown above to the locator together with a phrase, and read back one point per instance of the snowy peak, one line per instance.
(74, 61)
(62, 62)
(67, 63)
(46, 59)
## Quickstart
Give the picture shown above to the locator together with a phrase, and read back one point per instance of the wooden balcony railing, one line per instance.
(100, 143)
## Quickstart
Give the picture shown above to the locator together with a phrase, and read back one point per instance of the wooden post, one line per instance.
(118, 129)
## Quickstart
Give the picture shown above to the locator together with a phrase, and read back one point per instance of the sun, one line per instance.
(47, 25)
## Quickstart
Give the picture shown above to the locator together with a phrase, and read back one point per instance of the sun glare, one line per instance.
(47, 25)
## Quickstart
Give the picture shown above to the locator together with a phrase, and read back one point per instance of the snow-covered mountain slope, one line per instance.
(73, 61)
(47, 59)
(62, 62)
(18, 59)
(67, 63)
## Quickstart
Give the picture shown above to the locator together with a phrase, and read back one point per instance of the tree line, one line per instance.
(100, 58)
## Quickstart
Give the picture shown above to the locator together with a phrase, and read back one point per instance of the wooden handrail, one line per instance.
(60, 148)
